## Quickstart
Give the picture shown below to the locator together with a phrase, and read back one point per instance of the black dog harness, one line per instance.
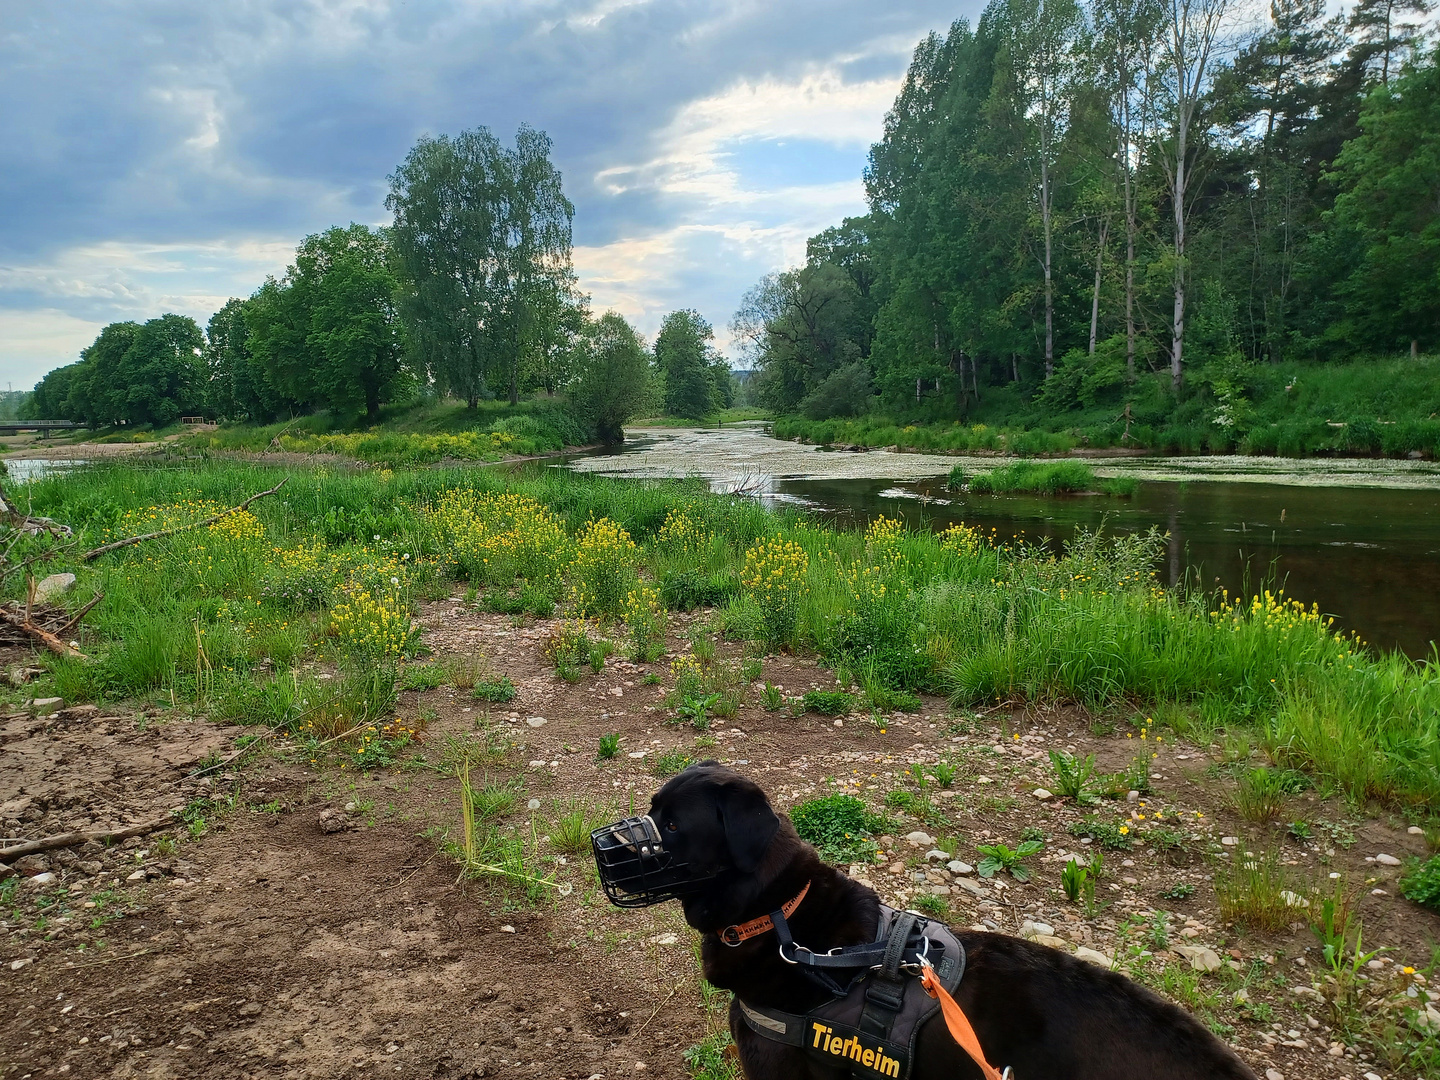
(877, 1005)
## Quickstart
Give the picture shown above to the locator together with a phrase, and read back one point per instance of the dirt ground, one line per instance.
(262, 946)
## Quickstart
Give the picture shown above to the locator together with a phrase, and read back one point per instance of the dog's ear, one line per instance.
(749, 823)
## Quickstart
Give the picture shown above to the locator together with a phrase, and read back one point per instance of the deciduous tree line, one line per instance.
(1074, 196)
(469, 292)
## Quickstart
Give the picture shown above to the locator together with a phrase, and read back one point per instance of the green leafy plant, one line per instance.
(772, 698)
(840, 826)
(930, 904)
(828, 702)
(670, 763)
(713, 1058)
(1300, 830)
(999, 857)
(498, 690)
(1183, 891)
(1421, 882)
(1115, 837)
(696, 710)
(1077, 881)
(609, 746)
(1073, 775)
(944, 773)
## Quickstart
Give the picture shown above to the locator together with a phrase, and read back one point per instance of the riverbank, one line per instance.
(1374, 408)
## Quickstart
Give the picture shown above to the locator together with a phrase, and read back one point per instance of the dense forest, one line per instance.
(1127, 210)
(469, 293)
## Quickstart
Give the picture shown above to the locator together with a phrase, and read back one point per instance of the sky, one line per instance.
(165, 155)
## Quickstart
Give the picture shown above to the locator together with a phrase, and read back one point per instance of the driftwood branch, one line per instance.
(73, 839)
(49, 640)
(95, 553)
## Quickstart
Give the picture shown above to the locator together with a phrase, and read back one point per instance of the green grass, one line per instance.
(840, 826)
(1048, 478)
(203, 615)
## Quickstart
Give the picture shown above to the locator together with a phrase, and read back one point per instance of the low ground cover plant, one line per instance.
(841, 827)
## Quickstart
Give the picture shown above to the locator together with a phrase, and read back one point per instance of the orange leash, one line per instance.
(957, 1022)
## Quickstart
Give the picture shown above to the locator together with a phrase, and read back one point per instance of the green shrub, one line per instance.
(498, 690)
(1421, 882)
(828, 702)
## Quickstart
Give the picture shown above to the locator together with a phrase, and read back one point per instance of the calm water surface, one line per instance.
(1370, 556)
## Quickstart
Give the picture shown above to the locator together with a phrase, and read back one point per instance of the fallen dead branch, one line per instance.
(22, 623)
(28, 523)
(115, 545)
(73, 839)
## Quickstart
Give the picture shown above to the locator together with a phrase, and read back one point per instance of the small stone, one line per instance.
(507, 929)
(665, 939)
(1415, 830)
(1041, 794)
(936, 855)
(919, 839)
(958, 866)
(897, 868)
(138, 875)
(1371, 1076)
(537, 721)
(1201, 958)
(637, 754)
(1051, 941)
(1099, 959)
(538, 763)
(24, 961)
(1132, 796)
(350, 808)
(1035, 929)
(1276, 1074)
(250, 1008)
(46, 704)
(1229, 841)
(1387, 860)
(53, 586)
(332, 821)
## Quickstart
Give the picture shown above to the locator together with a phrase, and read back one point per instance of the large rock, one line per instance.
(332, 820)
(1201, 958)
(53, 586)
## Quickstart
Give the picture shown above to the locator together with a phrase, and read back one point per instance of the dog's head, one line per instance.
(707, 833)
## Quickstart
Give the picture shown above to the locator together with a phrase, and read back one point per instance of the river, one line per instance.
(1361, 538)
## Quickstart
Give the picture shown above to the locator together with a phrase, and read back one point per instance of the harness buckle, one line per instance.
(729, 932)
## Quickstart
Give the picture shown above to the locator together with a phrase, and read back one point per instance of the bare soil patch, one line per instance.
(266, 947)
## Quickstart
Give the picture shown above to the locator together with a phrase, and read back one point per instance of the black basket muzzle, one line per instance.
(635, 869)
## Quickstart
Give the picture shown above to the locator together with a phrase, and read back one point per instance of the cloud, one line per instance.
(169, 155)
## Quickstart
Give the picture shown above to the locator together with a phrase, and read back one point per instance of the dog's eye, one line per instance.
(670, 826)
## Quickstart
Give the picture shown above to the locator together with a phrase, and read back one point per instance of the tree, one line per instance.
(327, 333)
(50, 398)
(1386, 221)
(613, 376)
(1381, 32)
(1189, 42)
(688, 364)
(483, 237)
(161, 376)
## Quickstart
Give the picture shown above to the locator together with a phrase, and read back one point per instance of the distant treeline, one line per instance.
(1124, 210)
(470, 293)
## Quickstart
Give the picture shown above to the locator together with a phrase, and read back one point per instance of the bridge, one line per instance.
(15, 427)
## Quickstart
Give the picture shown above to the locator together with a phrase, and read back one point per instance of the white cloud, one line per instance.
(38, 340)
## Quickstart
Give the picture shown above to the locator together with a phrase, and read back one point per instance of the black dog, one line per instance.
(1038, 1010)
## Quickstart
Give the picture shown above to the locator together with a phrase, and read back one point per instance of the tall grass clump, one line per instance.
(1048, 478)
